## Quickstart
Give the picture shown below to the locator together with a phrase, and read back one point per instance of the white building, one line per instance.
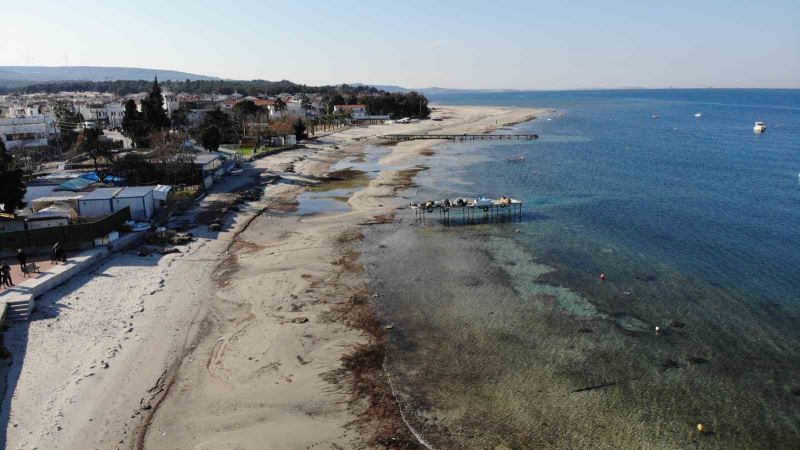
(104, 201)
(355, 111)
(33, 131)
(108, 114)
(170, 102)
(293, 109)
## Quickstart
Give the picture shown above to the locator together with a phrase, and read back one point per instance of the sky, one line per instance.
(503, 44)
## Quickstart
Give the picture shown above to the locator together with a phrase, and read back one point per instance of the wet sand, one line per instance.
(234, 341)
(261, 373)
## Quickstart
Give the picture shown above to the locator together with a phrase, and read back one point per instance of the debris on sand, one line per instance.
(697, 359)
(169, 237)
(669, 364)
(251, 195)
(299, 320)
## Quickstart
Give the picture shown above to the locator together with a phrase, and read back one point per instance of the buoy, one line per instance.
(602, 277)
(658, 330)
(701, 428)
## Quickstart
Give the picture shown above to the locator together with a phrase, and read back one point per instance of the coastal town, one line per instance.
(79, 149)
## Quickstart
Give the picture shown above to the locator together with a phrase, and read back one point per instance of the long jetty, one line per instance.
(460, 137)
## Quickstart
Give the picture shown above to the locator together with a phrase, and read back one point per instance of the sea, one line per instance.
(503, 334)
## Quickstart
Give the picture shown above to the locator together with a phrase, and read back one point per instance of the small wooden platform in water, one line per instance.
(460, 137)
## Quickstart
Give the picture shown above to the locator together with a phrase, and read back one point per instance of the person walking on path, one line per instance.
(5, 270)
(23, 259)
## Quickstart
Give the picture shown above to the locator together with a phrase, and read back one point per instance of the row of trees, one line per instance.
(226, 87)
(139, 125)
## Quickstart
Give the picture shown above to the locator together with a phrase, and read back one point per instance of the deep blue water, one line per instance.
(707, 197)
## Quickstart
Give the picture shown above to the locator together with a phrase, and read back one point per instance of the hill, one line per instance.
(14, 76)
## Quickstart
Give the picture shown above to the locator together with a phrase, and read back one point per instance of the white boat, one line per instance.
(655, 116)
(482, 202)
(760, 127)
(235, 172)
(698, 115)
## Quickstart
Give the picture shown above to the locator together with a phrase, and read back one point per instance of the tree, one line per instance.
(153, 110)
(280, 105)
(136, 169)
(66, 121)
(91, 143)
(299, 130)
(175, 161)
(305, 104)
(180, 118)
(134, 126)
(224, 131)
(12, 185)
(245, 108)
(211, 138)
(332, 100)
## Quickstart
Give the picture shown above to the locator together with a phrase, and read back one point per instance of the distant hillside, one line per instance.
(14, 76)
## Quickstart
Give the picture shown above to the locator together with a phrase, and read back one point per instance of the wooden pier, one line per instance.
(470, 212)
(460, 137)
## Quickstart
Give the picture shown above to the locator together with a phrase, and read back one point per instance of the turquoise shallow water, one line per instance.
(706, 195)
(696, 222)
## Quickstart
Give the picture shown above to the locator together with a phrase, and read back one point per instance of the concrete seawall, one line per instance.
(16, 303)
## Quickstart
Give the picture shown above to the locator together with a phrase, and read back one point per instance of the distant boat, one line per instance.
(760, 127)
(655, 116)
(698, 115)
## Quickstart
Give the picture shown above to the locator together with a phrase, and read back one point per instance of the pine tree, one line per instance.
(12, 185)
(153, 108)
(134, 126)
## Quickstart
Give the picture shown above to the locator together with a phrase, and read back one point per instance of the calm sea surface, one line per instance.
(504, 334)
(705, 195)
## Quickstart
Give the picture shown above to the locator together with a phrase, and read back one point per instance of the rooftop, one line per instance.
(102, 194)
(136, 191)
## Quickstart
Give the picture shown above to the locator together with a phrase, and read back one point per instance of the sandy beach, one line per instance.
(235, 342)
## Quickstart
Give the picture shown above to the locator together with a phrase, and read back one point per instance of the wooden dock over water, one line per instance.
(497, 211)
(460, 137)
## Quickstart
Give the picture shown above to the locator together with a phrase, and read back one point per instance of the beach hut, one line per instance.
(139, 199)
(97, 203)
(161, 193)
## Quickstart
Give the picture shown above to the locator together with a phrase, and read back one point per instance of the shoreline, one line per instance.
(367, 205)
(237, 328)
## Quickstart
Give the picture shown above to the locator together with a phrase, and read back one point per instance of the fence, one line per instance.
(183, 197)
(69, 234)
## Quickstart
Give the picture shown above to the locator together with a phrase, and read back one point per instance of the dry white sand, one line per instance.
(224, 345)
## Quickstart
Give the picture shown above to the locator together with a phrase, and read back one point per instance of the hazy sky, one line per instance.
(467, 44)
